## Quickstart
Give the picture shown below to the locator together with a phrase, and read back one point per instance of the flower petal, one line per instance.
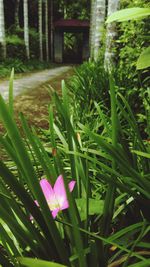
(55, 212)
(65, 205)
(59, 189)
(47, 189)
(35, 201)
(71, 185)
(60, 192)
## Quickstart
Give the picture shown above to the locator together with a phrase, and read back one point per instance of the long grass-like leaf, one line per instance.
(28, 203)
(49, 170)
(28, 262)
(110, 194)
(123, 162)
(11, 92)
(106, 241)
(32, 179)
(63, 109)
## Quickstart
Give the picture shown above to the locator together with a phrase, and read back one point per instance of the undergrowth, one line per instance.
(23, 66)
(106, 219)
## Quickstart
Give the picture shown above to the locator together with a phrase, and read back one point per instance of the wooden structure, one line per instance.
(72, 26)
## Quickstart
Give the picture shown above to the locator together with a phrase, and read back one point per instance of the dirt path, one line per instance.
(32, 95)
(32, 81)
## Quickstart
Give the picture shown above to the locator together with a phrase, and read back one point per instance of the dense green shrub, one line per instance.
(132, 39)
(90, 83)
(8, 64)
(109, 206)
(16, 46)
(21, 66)
(34, 43)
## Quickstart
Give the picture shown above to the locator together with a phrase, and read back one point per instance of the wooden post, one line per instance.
(58, 46)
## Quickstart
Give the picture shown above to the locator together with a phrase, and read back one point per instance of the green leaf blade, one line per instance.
(128, 14)
(144, 59)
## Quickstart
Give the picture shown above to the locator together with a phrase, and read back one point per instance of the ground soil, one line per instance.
(34, 104)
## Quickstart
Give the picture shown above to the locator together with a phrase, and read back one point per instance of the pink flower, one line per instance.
(56, 197)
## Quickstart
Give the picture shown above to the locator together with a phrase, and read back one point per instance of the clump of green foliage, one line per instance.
(22, 66)
(89, 84)
(17, 54)
(111, 168)
(16, 46)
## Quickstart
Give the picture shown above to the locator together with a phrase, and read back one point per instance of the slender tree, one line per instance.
(46, 30)
(110, 35)
(40, 29)
(2, 29)
(51, 29)
(99, 26)
(17, 2)
(26, 28)
(92, 28)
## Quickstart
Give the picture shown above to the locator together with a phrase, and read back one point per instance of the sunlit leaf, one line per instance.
(129, 14)
(141, 264)
(95, 207)
(28, 262)
(144, 59)
(142, 154)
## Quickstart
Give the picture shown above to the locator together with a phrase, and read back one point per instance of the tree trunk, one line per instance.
(51, 29)
(2, 29)
(110, 35)
(17, 2)
(40, 29)
(99, 26)
(26, 28)
(46, 30)
(92, 28)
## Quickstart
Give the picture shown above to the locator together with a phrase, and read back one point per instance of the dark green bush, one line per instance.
(89, 84)
(15, 47)
(22, 66)
(34, 43)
